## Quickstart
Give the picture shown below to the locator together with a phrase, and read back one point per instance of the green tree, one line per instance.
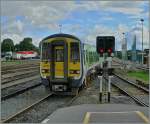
(26, 44)
(17, 47)
(7, 45)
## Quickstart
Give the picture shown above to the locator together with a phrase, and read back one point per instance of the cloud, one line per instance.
(15, 37)
(38, 15)
(16, 27)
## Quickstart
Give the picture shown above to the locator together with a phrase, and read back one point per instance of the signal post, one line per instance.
(105, 46)
(100, 73)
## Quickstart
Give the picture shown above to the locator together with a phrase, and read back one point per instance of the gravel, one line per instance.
(38, 113)
(91, 96)
(12, 105)
(15, 88)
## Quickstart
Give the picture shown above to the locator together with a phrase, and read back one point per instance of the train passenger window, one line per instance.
(75, 56)
(44, 51)
(59, 55)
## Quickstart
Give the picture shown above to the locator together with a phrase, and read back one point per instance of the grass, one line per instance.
(141, 75)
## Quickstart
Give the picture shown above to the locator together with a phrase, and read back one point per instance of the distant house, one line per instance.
(24, 54)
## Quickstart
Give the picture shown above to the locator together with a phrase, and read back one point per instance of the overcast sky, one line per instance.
(84, 19)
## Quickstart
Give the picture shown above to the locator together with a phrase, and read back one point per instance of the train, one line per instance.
(66, 63)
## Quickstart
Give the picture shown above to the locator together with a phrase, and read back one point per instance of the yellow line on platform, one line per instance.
(87, 118)
(141, 114)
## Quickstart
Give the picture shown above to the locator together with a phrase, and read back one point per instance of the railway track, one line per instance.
(20, 81)
(136, 66)
(24, 68)
(7, 68)
(19, 91)
(25, 109)
(36, 103)
(136, 92)
(134, 84)
(143, 68)
(17, 76)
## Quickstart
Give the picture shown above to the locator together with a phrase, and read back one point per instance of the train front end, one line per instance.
(60, 67)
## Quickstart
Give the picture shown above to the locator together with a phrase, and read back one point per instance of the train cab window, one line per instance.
(44, 51)
(59, 55)
(75, 56)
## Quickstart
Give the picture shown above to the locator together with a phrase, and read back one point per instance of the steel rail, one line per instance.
(136, 66)
(18, 66)
(136, 85)
(19, 91)
(25, 109)
(130, 95)
(20, 76)
(3, 72)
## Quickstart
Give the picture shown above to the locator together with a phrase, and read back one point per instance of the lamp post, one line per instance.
(123, 50)
(60, 26)
(142, 20)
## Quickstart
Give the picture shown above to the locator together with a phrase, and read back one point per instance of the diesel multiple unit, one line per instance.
(66, 62)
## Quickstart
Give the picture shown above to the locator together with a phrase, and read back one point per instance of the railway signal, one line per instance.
(105, 45)
(101, 51)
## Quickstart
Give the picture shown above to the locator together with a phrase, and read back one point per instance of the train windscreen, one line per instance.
(44, 51)
(74, 48)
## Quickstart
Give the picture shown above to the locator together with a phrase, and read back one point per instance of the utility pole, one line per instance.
(60, 26)
(124, 50)
(142, 20)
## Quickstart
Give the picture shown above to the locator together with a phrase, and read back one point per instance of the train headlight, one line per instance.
(45, 71)
(74, 71)
(78, 72)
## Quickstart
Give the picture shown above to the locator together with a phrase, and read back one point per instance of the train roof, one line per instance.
(61, 35)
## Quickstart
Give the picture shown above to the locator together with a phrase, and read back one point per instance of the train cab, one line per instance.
(61, 67)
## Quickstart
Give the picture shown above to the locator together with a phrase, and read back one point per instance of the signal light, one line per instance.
(101, 50)
(110, 50)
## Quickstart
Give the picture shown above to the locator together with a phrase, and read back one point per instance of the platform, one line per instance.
(100, 113)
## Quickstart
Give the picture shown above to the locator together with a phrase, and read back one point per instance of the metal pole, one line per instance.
(109, 88)
(100, 88)
(142, 40)
(60, 28)
(123, 51)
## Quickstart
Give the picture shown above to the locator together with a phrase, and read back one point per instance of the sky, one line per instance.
(84, 19)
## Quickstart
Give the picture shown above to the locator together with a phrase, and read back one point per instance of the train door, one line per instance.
(59, 62)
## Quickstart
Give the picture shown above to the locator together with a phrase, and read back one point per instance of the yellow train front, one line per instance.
(61, 63)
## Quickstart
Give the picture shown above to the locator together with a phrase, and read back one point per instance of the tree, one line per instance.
(26, 44)
(7, 45)
(17, 47)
